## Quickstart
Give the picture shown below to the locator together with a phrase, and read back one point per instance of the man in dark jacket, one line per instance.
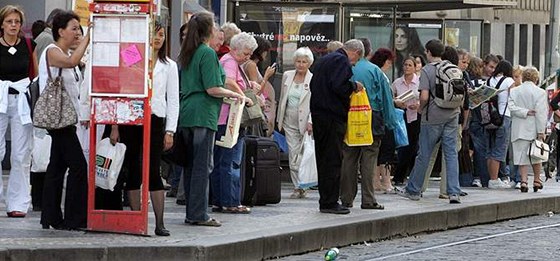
(331, 88)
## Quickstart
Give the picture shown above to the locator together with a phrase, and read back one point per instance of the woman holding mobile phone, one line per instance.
(263, 88)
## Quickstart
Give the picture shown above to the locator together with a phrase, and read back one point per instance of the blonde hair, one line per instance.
(518, 69)
(10, 9)
(333, 46)
(530, 74)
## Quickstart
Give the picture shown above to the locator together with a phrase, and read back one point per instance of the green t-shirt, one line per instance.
(198, 108)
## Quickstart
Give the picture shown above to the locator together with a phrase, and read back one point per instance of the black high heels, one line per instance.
(161, 231)
(537, 184)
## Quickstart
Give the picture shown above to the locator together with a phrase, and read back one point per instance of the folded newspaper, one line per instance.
(406, 96)
(480, 95)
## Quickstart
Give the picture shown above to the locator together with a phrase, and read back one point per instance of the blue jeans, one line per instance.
(200, 148)
(175, 172)
(429, 137)
(480, 142)
(225, 178)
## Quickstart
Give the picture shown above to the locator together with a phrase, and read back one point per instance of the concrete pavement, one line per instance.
(291, 227)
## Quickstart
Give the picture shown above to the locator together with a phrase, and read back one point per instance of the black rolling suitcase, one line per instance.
(260, 173)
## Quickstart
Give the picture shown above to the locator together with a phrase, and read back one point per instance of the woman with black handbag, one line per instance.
(66, 152)
(17, 67)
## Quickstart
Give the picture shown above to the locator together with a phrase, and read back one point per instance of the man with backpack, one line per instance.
(442, 92)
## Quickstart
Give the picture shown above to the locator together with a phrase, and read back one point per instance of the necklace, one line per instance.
(12, 50)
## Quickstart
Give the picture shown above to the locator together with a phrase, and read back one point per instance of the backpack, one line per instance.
(450, 86)
(490, 117)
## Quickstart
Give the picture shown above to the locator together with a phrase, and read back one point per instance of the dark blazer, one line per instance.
(331, 86)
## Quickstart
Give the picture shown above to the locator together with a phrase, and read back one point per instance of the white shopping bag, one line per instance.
(41, 153)
(108, 162)
(234, 121)
(308, 165)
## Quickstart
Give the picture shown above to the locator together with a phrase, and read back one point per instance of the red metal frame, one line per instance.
(125, 221)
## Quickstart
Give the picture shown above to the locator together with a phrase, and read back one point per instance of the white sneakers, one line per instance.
(476, 183)
(498, 184)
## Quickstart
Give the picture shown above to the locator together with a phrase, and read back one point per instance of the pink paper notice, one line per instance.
(131, 55)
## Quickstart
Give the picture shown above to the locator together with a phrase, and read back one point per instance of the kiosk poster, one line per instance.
(289, 27)
(119, 63)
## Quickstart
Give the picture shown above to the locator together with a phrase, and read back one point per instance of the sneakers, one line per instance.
(454, 199)
(403, 193)
(476, 183)
(497, 184)
(518, 185)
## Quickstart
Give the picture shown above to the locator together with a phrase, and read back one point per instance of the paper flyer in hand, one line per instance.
(480, 95)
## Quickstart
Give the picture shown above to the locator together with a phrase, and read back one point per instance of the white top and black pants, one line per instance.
(66, 154)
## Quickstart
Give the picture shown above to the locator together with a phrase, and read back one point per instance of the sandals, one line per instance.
(537, 184)
(524, 188)
(236, 210)
(209, 223)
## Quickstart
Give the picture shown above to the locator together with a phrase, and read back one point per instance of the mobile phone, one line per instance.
(274, 65)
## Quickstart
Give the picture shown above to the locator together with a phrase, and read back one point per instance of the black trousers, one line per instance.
(66, 153)
(329, 135)
(37, 184)
(407, 154)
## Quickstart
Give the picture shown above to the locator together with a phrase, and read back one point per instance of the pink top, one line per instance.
(400, 86)
(233, 71)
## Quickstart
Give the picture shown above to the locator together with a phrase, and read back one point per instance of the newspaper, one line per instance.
(406, 96)
(480, 95)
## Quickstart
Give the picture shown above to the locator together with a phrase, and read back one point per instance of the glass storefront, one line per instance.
(292, 25)
(465, 34)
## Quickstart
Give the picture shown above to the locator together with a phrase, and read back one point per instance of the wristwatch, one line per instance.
(170, 133)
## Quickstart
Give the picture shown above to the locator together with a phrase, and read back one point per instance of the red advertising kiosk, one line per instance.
(120, 92)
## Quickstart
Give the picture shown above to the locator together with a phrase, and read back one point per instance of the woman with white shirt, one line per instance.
(293, 112)
(408, 82)
(66, 152)
(165, 113)
(529, 111)
(497, 140)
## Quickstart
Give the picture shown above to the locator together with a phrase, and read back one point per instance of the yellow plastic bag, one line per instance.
(358, 131)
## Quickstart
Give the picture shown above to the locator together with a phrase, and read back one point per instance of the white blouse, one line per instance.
(165, 93)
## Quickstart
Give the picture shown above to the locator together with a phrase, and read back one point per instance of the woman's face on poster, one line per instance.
(401, 40)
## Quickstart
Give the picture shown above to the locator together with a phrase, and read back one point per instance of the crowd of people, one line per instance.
(222, 62)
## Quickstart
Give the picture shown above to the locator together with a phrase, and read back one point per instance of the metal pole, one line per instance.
(554, 58)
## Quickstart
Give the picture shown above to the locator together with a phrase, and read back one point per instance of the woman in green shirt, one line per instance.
(201, 93)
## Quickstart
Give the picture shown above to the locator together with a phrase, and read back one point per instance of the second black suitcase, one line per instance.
(260, 174)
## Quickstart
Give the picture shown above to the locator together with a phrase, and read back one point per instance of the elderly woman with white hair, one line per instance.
(225, 178)
(529, 110)
(294, 115)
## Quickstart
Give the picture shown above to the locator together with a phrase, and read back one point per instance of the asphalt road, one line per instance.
(533, 238)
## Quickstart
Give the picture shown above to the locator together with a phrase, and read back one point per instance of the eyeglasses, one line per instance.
(16, 22)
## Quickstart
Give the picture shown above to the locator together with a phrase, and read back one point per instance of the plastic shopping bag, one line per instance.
(358, 131)
(108, 162)
(41, 153)
(308, 165)
(401, 136)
